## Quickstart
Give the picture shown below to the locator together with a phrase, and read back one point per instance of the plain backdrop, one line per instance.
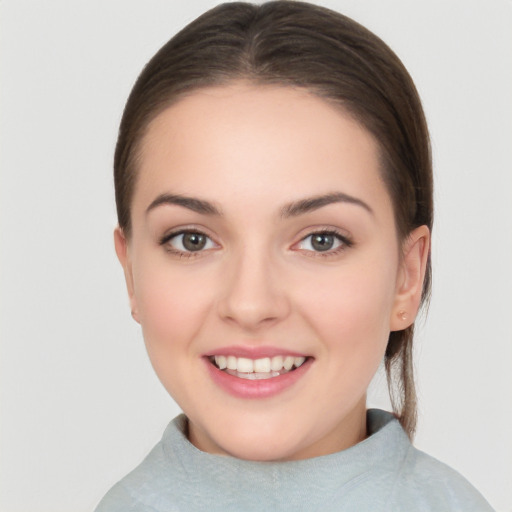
(80, 405)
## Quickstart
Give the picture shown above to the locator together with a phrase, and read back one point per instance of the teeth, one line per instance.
(277, 363)
(244, 365)
(257, 376)
(221, 362)
(298, 361)
(288, 362)
(264, 365)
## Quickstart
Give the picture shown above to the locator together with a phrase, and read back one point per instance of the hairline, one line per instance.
(135, 157)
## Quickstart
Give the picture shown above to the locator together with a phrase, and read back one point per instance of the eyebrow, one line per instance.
(196, 205)
(292, 209)
(314, 203)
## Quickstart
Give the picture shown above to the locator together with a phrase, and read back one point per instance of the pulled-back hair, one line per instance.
(304, 46)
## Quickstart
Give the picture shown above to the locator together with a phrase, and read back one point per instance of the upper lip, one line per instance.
(252, 352)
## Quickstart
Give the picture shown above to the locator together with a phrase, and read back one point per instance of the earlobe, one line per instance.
(123, 255)
(410, 278)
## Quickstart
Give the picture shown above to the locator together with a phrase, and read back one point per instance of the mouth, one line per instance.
(257, 369)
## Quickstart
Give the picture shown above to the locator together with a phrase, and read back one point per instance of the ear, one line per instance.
(123, 255)
(410, 278)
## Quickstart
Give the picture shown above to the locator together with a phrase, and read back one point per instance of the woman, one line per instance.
(274, 196)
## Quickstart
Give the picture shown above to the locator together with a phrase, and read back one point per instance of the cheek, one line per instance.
(170, 304)
(352, 323)
(352, 307)
(171, 313)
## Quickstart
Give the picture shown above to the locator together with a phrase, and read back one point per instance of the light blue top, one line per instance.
(382, 473)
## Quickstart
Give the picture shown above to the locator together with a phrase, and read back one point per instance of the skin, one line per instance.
(250, 151)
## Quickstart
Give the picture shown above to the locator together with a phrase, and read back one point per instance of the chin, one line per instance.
(261, 439)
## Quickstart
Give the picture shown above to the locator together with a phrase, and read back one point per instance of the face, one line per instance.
(265, 270)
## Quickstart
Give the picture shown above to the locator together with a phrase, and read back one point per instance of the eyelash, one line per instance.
(164, 241)
(344, 243)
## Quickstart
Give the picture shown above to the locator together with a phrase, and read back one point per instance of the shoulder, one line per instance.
(426, 484)
(414, 480)
(151, 485)
(137, 490)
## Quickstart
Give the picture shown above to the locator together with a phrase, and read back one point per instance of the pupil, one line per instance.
(322, 242)
(193, 241)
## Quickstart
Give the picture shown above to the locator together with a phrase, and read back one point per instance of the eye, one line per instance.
(324, 241)
(188, 242)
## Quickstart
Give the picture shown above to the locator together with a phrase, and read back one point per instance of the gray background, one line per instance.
(80, 405)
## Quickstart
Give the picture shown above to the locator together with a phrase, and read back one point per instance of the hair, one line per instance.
(304, 46)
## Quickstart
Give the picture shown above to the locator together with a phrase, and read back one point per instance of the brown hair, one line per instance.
(330, 55)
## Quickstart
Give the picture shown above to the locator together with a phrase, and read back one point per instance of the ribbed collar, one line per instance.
(381, 453)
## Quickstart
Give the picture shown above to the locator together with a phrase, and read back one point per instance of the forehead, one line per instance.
(256, 140)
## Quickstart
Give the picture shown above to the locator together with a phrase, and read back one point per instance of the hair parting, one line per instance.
(295, 44)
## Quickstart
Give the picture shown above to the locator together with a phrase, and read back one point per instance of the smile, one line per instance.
(256, 377)
(257, 369)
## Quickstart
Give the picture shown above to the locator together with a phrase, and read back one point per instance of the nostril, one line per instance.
(251, 296)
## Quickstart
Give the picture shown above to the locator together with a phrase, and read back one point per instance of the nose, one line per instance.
(253, 293)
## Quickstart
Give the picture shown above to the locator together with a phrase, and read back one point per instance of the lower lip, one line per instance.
(262, 388)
